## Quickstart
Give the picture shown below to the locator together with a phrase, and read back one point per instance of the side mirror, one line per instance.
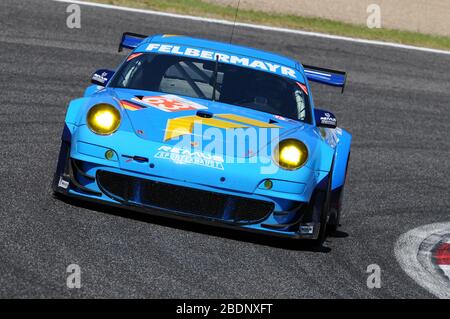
(325, 119)
(101, 77)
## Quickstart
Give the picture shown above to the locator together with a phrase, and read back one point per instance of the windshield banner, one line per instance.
(224, 58)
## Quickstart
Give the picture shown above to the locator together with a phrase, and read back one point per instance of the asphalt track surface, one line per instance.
(396, 105)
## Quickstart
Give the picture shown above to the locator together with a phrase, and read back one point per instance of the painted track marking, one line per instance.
(441, 256)
(413, 251)
(258, 26)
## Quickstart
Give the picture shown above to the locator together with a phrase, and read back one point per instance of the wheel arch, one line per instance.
(341, 156)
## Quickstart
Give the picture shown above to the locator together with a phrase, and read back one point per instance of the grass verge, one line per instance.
(203, 9)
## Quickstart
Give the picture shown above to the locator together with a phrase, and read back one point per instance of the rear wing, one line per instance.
(131, 40)
(321, 75)
(326, 76)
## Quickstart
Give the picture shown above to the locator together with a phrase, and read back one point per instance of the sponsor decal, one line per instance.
(327, 119)
(182, 156)
(134, 55)
(169, 103)
(222, 57)
(100, 77)
(185, 125)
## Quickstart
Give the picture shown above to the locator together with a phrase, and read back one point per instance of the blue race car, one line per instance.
(211, 132)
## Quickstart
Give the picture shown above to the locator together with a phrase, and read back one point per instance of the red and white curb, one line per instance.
(441, 256)
(424, 254)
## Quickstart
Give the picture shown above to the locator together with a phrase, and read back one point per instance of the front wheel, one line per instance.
(324, 207)
(318, 212)
(336, 204)
(335, 210)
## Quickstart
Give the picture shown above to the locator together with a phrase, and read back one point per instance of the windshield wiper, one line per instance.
(216, 67)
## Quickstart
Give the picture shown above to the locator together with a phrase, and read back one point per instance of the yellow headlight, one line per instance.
(291, 154)
(103, 119)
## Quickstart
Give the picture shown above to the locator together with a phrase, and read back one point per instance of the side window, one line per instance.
(300, 98)
(130, 73)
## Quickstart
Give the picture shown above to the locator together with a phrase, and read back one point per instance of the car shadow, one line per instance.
(233, 234)
(338, 234)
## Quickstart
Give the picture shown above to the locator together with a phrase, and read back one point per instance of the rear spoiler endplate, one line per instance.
(326, 76)
(130, 40)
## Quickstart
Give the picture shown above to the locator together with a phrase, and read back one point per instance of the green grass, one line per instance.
(203, 9)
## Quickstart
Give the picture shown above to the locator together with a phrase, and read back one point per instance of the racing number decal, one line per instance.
(170, 103)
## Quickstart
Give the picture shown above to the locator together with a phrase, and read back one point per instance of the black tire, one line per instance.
(323, 203)
(317, 212)
(336, 205)
(335, 214)
(335, 210)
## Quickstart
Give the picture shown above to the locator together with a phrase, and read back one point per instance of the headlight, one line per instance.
(291, 154)
(103, 119)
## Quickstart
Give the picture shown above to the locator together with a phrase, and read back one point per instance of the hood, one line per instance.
(186, 122)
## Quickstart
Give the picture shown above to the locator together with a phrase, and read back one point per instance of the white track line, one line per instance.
(257, 26)
(446, 270)
(414, 259)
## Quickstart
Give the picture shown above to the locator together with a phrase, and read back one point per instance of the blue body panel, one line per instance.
(142, 135)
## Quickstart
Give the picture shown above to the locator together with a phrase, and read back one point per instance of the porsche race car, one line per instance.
(210, 132)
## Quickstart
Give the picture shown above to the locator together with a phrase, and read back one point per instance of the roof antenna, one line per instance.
(234, 24)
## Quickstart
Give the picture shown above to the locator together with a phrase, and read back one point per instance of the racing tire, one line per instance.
(324, 202)
(336, 205)
(335, 212)
(318, 212)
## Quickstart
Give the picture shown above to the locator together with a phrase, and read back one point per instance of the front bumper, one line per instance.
(113, 186)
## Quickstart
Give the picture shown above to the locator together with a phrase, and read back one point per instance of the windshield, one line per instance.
(210, 80)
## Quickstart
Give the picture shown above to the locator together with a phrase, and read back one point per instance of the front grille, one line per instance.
(137, 191)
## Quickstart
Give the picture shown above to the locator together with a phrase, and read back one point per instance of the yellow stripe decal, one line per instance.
(246, 120)
(185, 125)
